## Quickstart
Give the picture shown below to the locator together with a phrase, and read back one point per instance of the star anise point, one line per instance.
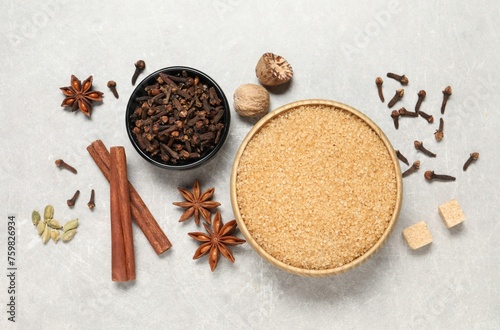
(216, 241)
(80, 96)
(197, 204)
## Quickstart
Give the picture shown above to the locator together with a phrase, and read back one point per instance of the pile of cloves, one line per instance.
(403, 112)
(179, 119)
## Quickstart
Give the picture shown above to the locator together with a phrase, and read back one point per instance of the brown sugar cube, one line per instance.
(417, 235)
(451, 213)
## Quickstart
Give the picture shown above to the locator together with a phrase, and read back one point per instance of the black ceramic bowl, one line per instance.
(180, 164)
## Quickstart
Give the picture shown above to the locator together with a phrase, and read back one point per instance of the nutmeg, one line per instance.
(251, 100)
(273, 70)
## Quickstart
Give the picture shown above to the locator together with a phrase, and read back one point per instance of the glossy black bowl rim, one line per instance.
(204, 78)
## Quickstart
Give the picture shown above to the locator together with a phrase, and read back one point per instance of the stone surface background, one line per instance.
(337, 49)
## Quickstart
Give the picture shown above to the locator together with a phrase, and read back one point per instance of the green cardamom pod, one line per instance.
(72, 224)
(35, 217)
(68, 235)
(53, 223)
(40, 227)
(46, 235)
(54, 234)
(48, 213)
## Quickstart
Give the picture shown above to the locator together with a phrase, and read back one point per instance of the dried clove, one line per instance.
(62, 164)
(405, 113)
(430, 175)
(414, 167)
(401, 78)
(395, 118)
(439, 134)
(402, 158)
(420, 146)
(446, 94)
(379, 82)
(429, 118)
(71, 202)
(91, 203)
(140, 65)
(421, 96)
(397, 96)
(472, 158)
(112, 87)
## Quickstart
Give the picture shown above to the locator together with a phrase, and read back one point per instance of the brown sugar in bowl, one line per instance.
(316, 188)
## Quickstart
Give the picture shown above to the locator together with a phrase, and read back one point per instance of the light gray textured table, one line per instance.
(336, 49)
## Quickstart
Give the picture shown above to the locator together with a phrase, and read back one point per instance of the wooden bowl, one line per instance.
(393, 171)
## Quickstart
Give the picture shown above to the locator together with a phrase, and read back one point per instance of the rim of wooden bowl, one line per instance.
(314, 272)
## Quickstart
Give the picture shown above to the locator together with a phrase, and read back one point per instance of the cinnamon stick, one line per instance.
(140, 211)
(118, 267)
(123, 260)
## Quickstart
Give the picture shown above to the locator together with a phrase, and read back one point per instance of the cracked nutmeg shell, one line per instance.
(273, 70)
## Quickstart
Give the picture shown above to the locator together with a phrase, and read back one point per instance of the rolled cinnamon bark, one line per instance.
(121, 219)
(118, 265)
(140, 211)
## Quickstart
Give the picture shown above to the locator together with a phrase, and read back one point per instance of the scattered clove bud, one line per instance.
(91, 203)
(430, 175)
(421, 96)
(405, 113)
(112, 86)
(379, 82)
(401, 78)
(439, 134)
(71, 202)
(446, 94)
(395, 118)
(398, 96)
(402, 158)
(139, 67)
(473, 157)
(62, 164)
(427, 117)
(420, 146)
(413, 168)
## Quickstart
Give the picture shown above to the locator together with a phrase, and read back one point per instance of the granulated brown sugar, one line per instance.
(316, 187)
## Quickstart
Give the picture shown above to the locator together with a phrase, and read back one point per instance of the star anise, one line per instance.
(197, 203)
(216, 241)
(80, 95)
